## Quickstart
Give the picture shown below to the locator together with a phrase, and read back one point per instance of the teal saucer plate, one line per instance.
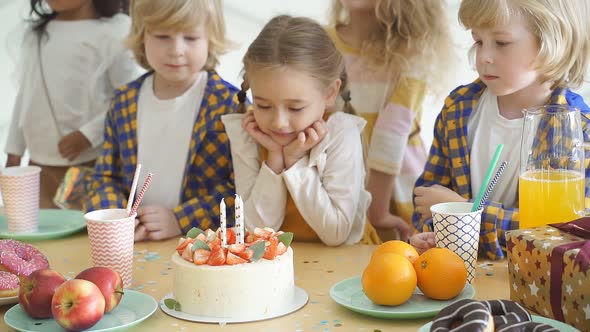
(133, 309)
(349, 294)
(300, 298)
(53, 223)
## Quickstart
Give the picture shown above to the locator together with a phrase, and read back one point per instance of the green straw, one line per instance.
(486, 181)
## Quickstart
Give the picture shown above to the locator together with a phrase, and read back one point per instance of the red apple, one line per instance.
(77, 305)
(108, 281)
(36, 291)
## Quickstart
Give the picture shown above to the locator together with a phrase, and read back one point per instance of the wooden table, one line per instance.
(317, 268)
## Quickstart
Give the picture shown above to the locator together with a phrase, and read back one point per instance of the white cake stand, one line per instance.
(299, 300)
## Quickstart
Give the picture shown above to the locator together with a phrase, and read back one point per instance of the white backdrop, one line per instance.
(243, 20)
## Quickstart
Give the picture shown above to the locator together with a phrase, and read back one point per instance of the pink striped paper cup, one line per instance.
(111, 240)
(20, 195)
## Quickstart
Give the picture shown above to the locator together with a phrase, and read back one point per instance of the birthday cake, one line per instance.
(233, 274)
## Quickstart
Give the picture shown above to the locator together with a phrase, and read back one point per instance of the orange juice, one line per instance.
(550, 196)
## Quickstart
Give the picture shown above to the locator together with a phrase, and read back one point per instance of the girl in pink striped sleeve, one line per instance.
(394, 51)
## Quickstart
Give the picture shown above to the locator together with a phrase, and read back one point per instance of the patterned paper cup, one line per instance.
(457, 228)
(20, 195)
(111, 240)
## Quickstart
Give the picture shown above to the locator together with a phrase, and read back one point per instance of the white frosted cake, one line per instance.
(245, 280)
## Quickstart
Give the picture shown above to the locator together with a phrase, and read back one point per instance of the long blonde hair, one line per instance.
(414, 37)
(299, 43)
(562, 29)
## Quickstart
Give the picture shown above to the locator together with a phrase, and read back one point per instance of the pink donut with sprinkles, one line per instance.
(8, 284)
(21, 258)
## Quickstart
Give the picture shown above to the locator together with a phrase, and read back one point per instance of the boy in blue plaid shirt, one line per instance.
(169, 121)
(528, 53)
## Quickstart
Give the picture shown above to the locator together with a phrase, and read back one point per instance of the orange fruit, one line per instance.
(389, 279)
(397, 247)
(441, 273)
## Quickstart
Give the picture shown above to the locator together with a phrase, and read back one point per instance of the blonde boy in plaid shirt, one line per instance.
(528, 53)
(169, 120)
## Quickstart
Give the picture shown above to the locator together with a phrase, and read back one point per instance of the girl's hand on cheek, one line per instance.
(251, 127)
(304, 142)
(275, 151)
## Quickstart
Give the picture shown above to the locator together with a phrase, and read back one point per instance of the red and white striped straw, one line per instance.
(141, 193)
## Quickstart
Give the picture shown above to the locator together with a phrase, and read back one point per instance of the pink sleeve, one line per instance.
(394, 124)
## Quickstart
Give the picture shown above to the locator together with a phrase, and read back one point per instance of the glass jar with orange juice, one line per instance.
(552, 172)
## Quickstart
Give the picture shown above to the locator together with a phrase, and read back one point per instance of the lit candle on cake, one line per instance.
(239, 211)
(222, 223)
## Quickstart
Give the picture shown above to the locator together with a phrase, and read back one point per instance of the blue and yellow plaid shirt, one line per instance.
(208, 175)
(448, 162)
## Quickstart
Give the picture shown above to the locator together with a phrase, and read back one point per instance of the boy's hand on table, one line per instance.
(423, 241)
(426, 197)
(156, 222)
(140, 232)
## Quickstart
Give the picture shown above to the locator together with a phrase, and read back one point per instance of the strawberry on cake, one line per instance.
(219, 274)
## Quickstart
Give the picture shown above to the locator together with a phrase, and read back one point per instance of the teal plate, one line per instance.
(562, 327)
(133, 309)
(349, 293)
(299, 300)
(53, 223)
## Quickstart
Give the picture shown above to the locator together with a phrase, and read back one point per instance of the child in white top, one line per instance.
(528, 53)
(298, 164)
(169, 120)
(73, 58)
